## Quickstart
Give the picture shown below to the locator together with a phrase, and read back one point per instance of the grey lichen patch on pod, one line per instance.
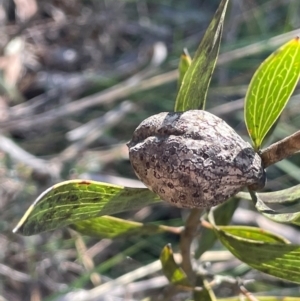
(193, 159)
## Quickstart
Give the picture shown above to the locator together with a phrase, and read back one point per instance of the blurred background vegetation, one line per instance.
(77, 77)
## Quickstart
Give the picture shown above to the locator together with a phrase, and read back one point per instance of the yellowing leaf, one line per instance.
(72, 201)
(171, 269)
(112, 227)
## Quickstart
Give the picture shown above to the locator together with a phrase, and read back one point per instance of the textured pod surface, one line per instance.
(193, 159)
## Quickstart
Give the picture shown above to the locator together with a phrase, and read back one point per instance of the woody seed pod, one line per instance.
(193, 159)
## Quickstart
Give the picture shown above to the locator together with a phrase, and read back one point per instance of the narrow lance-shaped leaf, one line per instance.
(112, 227)
(270, 89)
(71, 201)
(193, 90)
(184, 64)
(171, 269)
(283, 199)
(262, 250)
(285, 214)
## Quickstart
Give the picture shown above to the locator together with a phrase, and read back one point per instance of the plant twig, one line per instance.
(247, 294)
(187, 236)
(13, 274)
(92, 130)
(87, 261)
(108, 287)
(40, 166)
(281, 149)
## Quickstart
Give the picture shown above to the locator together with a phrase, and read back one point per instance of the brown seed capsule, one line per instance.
(193, 159)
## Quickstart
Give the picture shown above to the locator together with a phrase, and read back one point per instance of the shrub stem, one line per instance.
(281, 149)
(186, 239)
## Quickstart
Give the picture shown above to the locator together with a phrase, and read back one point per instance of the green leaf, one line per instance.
(270, 89)
(276, 215)
(223, 214)
(262, 250)
(72, 201)
(184, 64)
(285, 198)
(193, 90)
(171, 269)
(253, 233)
(281, 206)
(112, 227)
